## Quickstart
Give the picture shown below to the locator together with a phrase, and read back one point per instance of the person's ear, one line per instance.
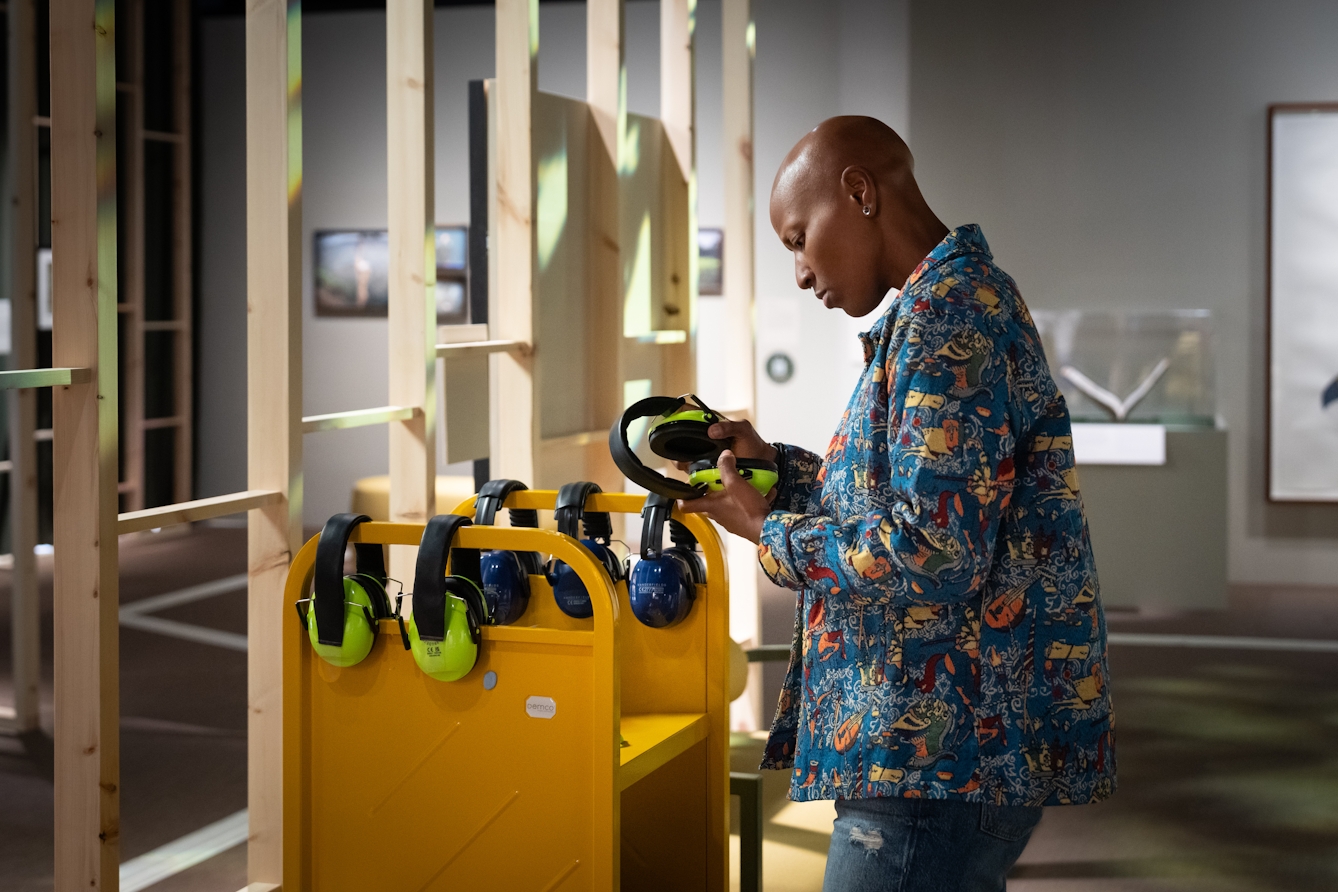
(858, 185)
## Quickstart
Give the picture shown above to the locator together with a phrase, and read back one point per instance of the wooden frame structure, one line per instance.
(85, 382)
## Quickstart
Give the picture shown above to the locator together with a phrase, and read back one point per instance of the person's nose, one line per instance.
(803, 276)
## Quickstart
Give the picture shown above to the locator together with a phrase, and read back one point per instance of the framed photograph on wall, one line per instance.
(1303, 303)
(710, 261)
(352, 273)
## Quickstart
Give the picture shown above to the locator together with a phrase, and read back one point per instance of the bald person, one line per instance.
(947, 676)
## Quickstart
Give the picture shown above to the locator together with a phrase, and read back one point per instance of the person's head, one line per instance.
(845, 202)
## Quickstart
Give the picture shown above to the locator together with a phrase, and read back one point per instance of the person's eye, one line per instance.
(799, 242)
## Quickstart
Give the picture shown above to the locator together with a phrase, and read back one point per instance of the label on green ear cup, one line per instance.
(540, 707)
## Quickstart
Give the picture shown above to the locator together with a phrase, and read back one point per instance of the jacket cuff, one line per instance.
(797, 474)
(773, 550)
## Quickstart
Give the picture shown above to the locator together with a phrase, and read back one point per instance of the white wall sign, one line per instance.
(1303, 303)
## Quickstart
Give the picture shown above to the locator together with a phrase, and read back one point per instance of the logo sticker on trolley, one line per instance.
(540, 707)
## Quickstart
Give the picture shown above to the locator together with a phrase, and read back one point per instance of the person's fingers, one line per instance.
(704, 505)
(729, 430)
(729, 476)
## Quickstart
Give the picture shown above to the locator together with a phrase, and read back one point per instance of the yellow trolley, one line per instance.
(598, 760)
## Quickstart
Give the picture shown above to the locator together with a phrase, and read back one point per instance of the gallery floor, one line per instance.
(1228, 754)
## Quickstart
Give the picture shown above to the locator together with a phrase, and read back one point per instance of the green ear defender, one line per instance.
(761, 474)
(443, 633)
(342, 614)
(678, 432)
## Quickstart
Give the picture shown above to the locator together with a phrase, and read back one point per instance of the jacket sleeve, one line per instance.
(800, 479)
(938, 475)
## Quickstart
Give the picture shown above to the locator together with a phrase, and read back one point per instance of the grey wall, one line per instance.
(1115, 156)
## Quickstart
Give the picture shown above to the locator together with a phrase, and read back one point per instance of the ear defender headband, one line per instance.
(505, 575)
(342, 614)
(663, 583)
(594, 529)
(679, 434)
(443, 632)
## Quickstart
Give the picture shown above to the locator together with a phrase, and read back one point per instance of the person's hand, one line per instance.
(740, 509)
(743, 441)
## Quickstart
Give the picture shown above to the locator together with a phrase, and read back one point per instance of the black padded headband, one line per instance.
(626, 458)
(491, 497)
(571, 514)
(653, 517)
(329, 574)
(429, 581)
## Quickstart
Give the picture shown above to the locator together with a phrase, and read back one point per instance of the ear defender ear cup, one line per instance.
(763, 475)
(443, 633)
(663, 583)
(568, 589)
(342, 614)
(505, 575)
(665, 408)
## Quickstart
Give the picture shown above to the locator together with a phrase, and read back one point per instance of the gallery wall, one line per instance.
(1115, 155)
(813, 60)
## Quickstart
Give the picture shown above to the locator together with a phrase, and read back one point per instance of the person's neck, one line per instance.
(915, 237)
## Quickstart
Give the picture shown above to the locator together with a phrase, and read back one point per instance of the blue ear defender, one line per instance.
(443, 633)
(664, 582)
(341, 616)
(506, 575)
(573, 520)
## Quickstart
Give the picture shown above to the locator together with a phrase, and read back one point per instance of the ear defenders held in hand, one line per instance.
(342, 613)
(679, 434)
(572, 519)
(444, 630)
(664, 582)
(506, 574)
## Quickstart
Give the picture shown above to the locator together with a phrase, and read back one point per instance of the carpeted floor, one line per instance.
(1228, 758)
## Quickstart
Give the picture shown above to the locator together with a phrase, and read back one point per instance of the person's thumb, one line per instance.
(729, 473)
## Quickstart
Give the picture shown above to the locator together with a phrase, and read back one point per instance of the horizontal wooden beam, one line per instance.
(666, 336)
(19, 379)
(358, 418)
(150, 424)
(199, 509)
(482, 348)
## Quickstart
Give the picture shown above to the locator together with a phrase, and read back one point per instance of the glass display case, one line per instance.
(1134, 366)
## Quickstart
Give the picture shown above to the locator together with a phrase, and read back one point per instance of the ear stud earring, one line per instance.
(866, 210)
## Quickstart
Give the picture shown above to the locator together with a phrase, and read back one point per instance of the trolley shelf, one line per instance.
(654, 739)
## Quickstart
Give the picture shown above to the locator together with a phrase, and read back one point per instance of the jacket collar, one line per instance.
(959, 242)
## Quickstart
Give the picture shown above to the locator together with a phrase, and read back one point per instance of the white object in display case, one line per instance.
(1119, 444)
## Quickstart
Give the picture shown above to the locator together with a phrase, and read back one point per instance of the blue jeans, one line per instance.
(925, 845)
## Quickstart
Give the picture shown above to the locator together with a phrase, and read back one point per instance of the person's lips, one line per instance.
(824, 296)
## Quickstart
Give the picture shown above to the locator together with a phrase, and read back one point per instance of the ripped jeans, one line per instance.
(925, 845)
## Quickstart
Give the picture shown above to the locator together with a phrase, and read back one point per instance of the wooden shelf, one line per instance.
(654, 739)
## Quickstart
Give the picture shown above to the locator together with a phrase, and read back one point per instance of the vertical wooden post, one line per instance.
(737, 74)
(515, 431)
(83, 215)
(130, 170)
(413, 268)
(740, 346)
(678, 109)
(274, 396)
(25, 612)
(182, 271)
(606, 94)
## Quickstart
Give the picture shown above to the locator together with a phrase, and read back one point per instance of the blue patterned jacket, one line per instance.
(949, 640)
